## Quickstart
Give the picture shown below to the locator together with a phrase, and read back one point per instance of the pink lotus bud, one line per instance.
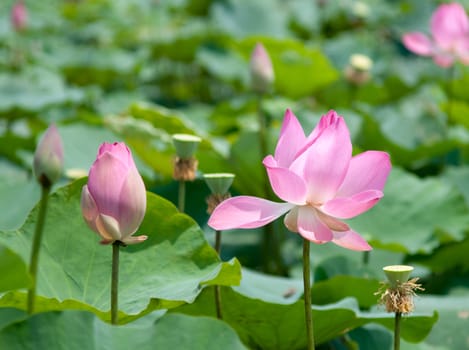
(49, 157)
(19, 16)
(114, 201)
(262, 72)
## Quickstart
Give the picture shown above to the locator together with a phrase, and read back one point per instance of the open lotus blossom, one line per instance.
(114, 200)
(450, 36)
(320, 182)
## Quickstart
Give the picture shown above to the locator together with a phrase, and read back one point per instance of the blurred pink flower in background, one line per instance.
(19, 16)
(49, 157)
(114, 200)
(320, 182)
(450, 36)
(262, 71)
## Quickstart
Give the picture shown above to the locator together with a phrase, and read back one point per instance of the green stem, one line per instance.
(217, 288)
(397, 331)
(33, 265)
(366, 257)
(270, 245)
(218, 242)
(452, 78)
(115, 282)
(182, 195)
(307, 295)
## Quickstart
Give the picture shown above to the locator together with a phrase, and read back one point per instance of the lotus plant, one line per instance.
(19, 16)
(48, 167)
(262, 71)
(449, 41)
(113, 204)
(320, 183)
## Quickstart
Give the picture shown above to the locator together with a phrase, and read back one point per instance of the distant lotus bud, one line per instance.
(49, 158)
(114, 201)
(262, 72)
(358, 70)
(19, 16)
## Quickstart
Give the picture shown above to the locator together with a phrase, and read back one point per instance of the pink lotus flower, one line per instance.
(450, 36)
(49, 157)
(320, 182)
(19, 16)
(114, 200)
(262, 72)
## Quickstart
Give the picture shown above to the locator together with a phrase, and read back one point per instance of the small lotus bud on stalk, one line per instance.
(48, 166)
(262, 71)
(49, 158)
(19, 16)
(219, 183)
(398, 294)
(358, 70)
(113, 204)
(185, 164)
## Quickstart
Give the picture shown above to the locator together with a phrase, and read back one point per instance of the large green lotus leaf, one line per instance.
(225, 65)
(458, 176)
(77, 330)
(342, 286)
(415, 215)
(34, 89)
(14, 271)
(16, 187)
(243, 17)
(450, 332)
(158, 152)
(413, 129)
(261, 311)
(168, 269)
(299, 70)
(446, 257)
(371, 337)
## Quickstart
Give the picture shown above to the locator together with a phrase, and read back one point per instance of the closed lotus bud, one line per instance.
(114, 201)
(19, 16)
(262, 71)
(49, 158)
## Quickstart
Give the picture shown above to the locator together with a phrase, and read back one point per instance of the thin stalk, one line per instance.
(217, 288)
(452, 78)
(397, 331)
(218, 242)
(366, 257)
(182, 195)
(33, 265)
(270, 245)
(115, 282)
(307, 295)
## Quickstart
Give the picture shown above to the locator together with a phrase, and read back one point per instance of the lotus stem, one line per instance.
(307, 295)
(182, 195)
(397, 330)
(217, 288)
(115, 282)
(38, 233)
